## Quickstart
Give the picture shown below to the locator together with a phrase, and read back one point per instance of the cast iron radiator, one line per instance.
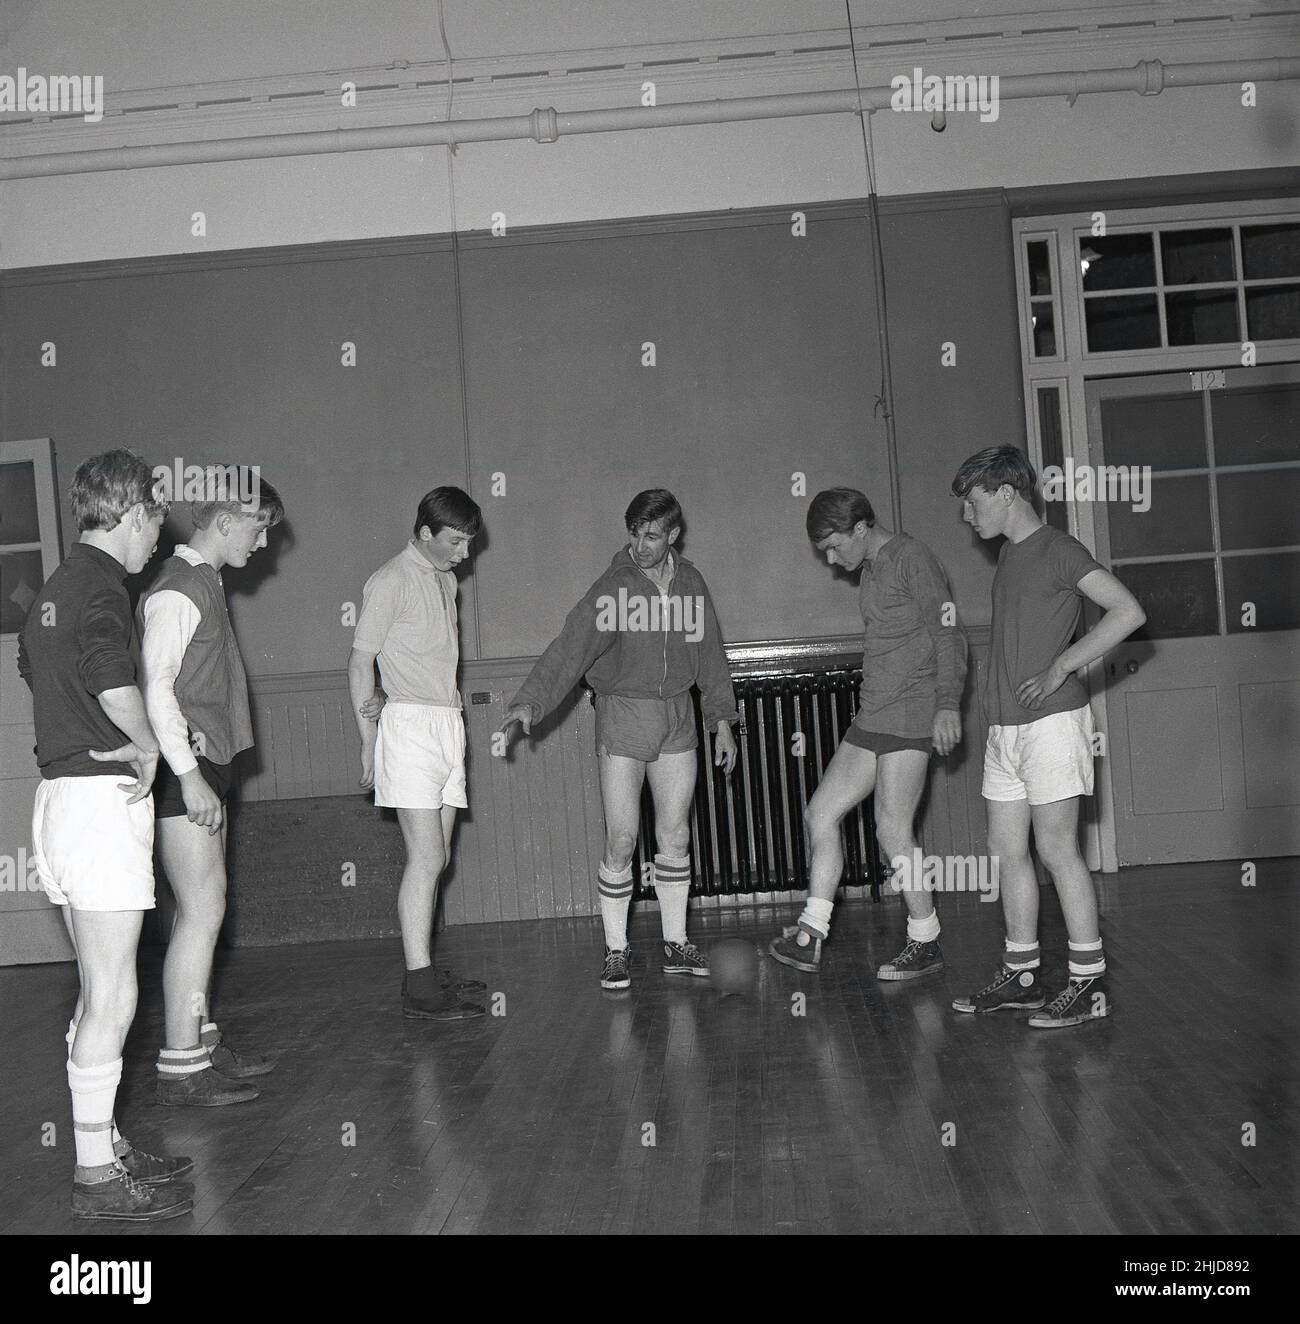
(747, 831)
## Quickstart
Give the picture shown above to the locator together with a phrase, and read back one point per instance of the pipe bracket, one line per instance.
(545, 124)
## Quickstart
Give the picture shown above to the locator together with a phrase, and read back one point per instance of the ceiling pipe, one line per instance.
(1147, 78)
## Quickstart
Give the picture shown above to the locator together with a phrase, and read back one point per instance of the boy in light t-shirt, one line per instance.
(415, 758)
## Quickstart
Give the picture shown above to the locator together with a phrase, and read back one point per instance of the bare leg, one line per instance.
(1056, 834)
(1009, 841)
(672, 784)
(620, 795)
(426, 833)
(900, 781)
(195, 862)
(849, 778)
(106, 942)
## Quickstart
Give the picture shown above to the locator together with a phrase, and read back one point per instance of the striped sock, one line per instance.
(70, 1038)
(1087, 960)
(1021, 956)
(173, 1063)
(615, 897)
(673, 888)
(94, 1090)
(209, 1035)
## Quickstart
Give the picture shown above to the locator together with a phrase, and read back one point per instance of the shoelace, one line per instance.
(998, 982)
(912, 949)
(1063, 999)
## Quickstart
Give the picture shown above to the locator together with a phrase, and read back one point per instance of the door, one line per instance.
(1203, 704)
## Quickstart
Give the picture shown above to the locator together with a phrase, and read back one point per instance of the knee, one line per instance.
(114, 1003)
(893, 833)
(675, 839)
(618, 849)
(203, 915)
(1056, 852)
(819, 824)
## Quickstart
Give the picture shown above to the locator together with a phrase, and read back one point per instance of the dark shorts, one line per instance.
(879, 744)
(168, 802)
(645, 728)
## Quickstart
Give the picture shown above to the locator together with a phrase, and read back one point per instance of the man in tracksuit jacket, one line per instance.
(643, 634)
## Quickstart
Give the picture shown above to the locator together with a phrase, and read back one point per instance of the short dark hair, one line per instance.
(838, 510)
(992, 468)
(655, 503)
(224, 486)
(106, 486)
(448, 508)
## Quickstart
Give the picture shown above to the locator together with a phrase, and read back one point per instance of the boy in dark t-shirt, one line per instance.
(92, 833)
(1038, 759)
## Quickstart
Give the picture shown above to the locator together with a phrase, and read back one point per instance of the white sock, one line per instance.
(924, 930)
(94, 1090)
(817, 917)
(615, 897)
(672, 876)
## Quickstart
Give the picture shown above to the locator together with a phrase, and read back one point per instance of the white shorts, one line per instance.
(420, 757)
(93, 850)
(1042, 761)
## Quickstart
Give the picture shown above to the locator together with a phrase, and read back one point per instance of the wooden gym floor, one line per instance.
(879, 1110)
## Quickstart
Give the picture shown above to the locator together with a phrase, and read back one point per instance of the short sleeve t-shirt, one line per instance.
(408, 618)
(1036, 611)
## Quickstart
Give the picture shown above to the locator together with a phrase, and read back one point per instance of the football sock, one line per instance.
(924, 930)
(817, 917)
(1021, 956)
(615, 897)
(672, 878)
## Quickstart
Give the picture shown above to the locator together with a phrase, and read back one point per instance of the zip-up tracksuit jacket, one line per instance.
(636, 663)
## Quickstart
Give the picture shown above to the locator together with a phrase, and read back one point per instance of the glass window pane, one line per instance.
(1273, 312)
(1270, 250)
(18, 514)
(1259, 509)
(1193, 257)
(1128, 321)
(1177, 596)
(1164, 431)
(1117, 262)
(1177, 519)
(1256, 425)
(1052, 445)
(1271, 583)
(1044, 324)
(1206, 317)
(21, 578)
(1040, 267)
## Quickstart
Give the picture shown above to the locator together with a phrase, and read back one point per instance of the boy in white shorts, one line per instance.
(415, 757)
(1038, 760)
(92, 833)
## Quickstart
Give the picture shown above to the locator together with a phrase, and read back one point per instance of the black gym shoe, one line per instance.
(915, 960)
(1012, 990)
(1081, 1000)
(122, 1198)
(684, 958)
(236, 1066)
(616, 973)
(444, 1005)
(789, 951)
(202, 1089)
(152, 1169)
